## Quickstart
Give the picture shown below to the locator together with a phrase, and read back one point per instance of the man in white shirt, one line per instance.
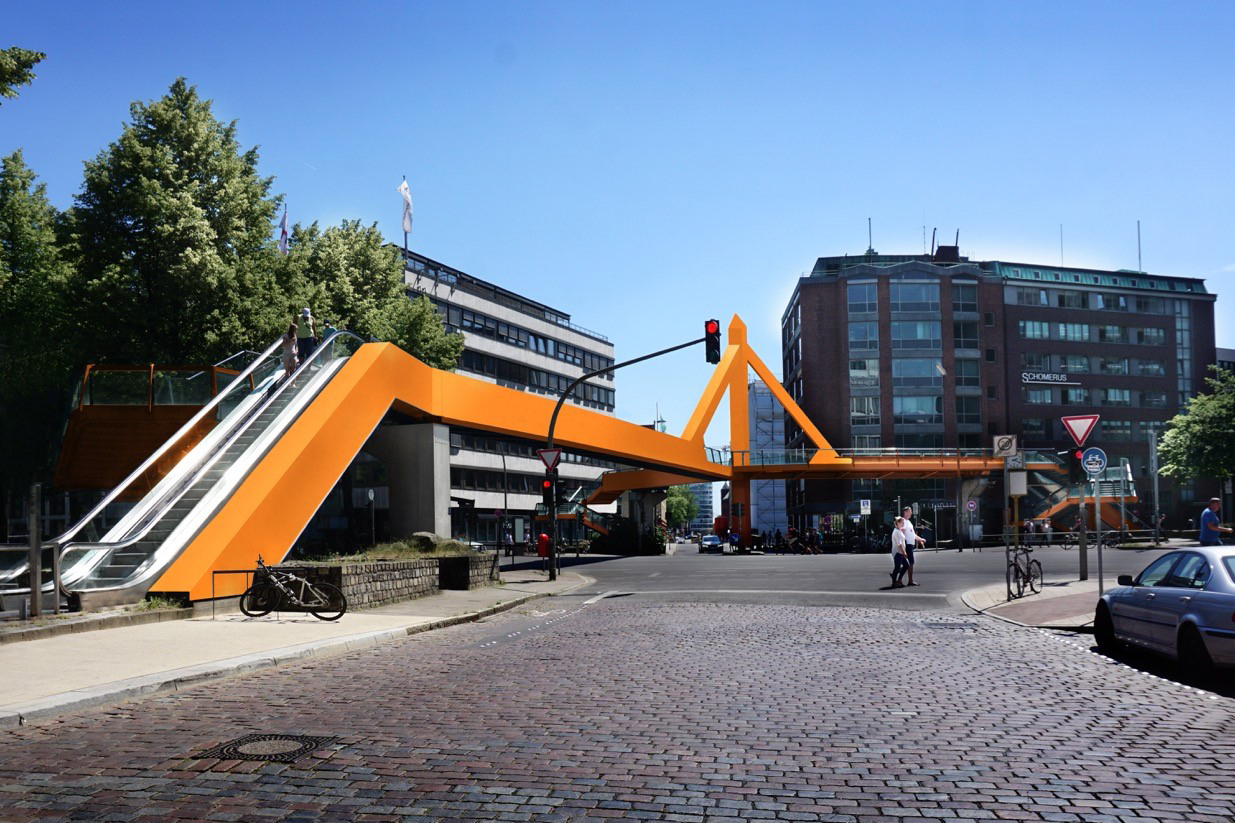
(912, 541)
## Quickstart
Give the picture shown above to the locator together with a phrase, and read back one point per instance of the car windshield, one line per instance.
(1229, 562)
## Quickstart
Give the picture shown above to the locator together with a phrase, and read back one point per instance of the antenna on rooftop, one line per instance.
(870, 243)
(933, 231)
(957, 242)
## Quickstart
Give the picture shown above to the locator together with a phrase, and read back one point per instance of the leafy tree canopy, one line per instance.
(1200, 442)
(17, 69)
(681, 507)
(172, 241)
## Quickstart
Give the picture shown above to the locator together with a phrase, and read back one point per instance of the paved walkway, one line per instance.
(1063, 605)
(45, 677)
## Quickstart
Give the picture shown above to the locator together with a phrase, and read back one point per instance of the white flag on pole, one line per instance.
(283, 232)
(407, 205)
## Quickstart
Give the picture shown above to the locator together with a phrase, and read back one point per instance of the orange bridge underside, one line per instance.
(274, 503)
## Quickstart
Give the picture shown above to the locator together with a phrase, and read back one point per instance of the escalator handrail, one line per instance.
(140, 533)
(205, 410)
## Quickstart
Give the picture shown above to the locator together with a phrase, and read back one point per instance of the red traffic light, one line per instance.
(546, 484)
(1078, 454)
(712, 327)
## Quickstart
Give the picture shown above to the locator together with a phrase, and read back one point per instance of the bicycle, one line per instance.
(322, 600)
(1026, 573)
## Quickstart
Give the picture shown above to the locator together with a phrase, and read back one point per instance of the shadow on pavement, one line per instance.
(1221, 683)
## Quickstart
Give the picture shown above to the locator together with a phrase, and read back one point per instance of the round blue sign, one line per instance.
(1094, 460)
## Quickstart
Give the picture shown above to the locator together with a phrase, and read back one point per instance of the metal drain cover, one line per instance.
(271, 748)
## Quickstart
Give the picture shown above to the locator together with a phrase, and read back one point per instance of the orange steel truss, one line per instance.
(271, 507)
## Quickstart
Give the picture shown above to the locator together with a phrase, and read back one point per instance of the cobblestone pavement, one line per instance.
(641, 710)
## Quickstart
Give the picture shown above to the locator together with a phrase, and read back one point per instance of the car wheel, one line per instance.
(1193, 655)
(1104, 631)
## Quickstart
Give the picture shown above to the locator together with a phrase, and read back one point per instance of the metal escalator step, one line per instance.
(116, 572)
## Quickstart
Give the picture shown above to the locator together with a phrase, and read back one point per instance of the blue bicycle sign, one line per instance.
(1094, 460)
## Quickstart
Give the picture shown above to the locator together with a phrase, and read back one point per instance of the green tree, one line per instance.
(16, 69)
(347, 275)
(1200, 442)
(681, 507)
(36, 360)
(171, 237)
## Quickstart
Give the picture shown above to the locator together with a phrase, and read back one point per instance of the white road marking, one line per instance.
(602, 596)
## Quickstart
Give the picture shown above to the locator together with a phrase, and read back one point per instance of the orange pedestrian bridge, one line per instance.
(253, 481)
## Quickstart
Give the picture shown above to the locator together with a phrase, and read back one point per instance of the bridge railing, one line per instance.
(766, 457)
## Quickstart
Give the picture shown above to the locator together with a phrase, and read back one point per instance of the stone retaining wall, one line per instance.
(468, 572)
(367, 585)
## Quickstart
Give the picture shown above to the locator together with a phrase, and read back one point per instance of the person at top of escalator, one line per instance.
(306, 334)
(289, 350)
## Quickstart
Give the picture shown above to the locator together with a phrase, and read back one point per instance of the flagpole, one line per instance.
(405, 233)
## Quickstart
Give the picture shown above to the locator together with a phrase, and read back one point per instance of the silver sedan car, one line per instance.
(1181, 605)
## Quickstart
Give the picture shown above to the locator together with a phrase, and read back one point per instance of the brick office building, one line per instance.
(941, 352)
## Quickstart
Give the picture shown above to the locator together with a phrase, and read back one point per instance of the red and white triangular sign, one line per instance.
(549, 457)
(1080, 426)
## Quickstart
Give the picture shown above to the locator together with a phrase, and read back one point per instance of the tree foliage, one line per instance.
(36, 359)
(681, 507)
(17, 69)
(347, 275)
(1200, 442)
(171, 236)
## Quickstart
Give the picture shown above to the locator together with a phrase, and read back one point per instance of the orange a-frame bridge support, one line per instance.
(274, 503)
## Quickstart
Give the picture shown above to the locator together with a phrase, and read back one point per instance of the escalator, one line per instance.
(121, 566)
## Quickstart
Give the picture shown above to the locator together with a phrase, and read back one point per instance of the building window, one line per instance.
(1153, 399)
(1074, 397)
(1070, 299)
(916, 334)
(863, 298)
(918, 409)
(992, 392)
(863, 337)
(1116, 430)
(1074, 331)
(964, 335)
(919, 442)
(1110, 334)
(1030, 296)
(1152, 368)
(1034, 329)
(968, 409)
(1110, 302)
(990, 356)
(1033, 427)
(967, 372)
(1037, 397)
(1116, 397)
(914, 296)
(866, 442)
(1150, 305)
(969, 440)
(864, 374)
(915, 371)
(988, 319)
(1074, 363)
(964, 297)
(1151, 337)
(1034, 360)
(864, 411)
(1113, 365)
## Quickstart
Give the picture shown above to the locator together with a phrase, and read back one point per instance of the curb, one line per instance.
(190, 676)
(111, 621)
(1082, 629)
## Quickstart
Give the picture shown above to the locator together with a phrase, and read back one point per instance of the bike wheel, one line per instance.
(1015, 585)
(1035, 576)
(335, 602)
(259, 600)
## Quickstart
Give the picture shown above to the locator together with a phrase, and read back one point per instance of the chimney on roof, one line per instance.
(947, 254)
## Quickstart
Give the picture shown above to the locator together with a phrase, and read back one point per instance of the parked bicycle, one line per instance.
(1024, 572)
(272, 586)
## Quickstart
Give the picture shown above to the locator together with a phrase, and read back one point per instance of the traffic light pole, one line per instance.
(553, 554)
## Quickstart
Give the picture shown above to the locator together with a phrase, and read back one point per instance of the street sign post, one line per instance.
(1094, 461)
(550, 457)
(866, 506)
(1080, 426)
(1005, 445)
(971, 505)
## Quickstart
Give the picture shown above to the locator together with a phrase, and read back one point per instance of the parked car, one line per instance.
(1181, 605)
(710, 543)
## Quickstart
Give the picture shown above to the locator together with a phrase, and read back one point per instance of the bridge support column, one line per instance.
(417, 460)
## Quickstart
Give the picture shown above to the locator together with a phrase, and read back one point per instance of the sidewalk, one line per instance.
(1064, 605)
(46, 677)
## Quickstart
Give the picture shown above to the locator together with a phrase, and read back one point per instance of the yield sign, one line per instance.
(1080, 426)
(549, 457)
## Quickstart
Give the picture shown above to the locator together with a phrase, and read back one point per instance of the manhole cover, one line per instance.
(273, 748)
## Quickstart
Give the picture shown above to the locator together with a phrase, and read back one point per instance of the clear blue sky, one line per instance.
(646, 165)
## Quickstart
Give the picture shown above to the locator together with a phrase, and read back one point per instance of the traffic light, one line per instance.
(711, 340)
(546, 492)
(1072, 461)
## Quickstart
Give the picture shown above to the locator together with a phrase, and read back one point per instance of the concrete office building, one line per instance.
(1226, 359)
(767, 433)
(941, 352)
(703, 522)
(519, 343)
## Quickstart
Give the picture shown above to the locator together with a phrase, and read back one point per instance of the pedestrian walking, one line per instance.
(900, 558)
(306, 334)
(1049, 529)
(289, 350)
(1211, 531)
(911, 540)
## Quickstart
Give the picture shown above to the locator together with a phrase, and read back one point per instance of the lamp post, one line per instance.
(501, 536)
